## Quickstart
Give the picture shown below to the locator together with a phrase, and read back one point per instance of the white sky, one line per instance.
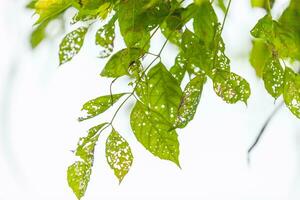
(39, 105)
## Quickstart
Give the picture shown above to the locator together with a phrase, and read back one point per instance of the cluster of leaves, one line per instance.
(164, 102)
(275, 42)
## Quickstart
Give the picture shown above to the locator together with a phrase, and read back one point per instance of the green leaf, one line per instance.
(273, 76)
(49, 9)
(205, 23)
(282, 40)
(259, 56)
(78, 176)
(131, 24)
(155, 133)
(179, 68)
(71, 44)
(105, 37)
(291, 92)
(122, 63)
(118, 154)
(189, 101)
(290, 21)
(161, 92)
(99, 105)
(39, 34)
(262, 3)
(231, 87)
(86, 145)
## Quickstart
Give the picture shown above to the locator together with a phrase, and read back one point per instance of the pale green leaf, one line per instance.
(105, 38)
(118, 154)
(291, 92)
(273, 76)
(71, 44)
(78, 176)
(86, 145)
(99, 105)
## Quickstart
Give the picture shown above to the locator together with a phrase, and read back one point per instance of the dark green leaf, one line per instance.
(71, 44)
(291, 92)
(118, 154)
(231, 87)
(190, 100)
(273, 76)
(122, 63)
(154, 133)
(99, 105)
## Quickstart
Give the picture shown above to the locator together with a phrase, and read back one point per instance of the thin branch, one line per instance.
(262, 131)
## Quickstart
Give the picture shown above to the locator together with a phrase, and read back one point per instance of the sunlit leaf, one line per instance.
(86, 145)
(99, 105)
(78, 177)
(291, 92)
(71, 44)
(47, 9)
(118, 154)
(161, 92)
(155, 133)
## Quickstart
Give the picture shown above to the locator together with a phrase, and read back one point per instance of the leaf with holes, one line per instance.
(291, 92)
(78, 176)
(273, 76)
(190, 100)
(161, 92)
(122, 63)
(71, 44)
(231, 87)
(155, 133)
(179, 68)
(99, 105)
(105, 38)
(118, 154)
(86, 145)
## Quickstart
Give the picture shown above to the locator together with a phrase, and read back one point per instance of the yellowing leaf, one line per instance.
(118, 154)
(78, 177)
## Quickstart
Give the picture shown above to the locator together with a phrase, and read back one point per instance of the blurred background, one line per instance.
(40, 103)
